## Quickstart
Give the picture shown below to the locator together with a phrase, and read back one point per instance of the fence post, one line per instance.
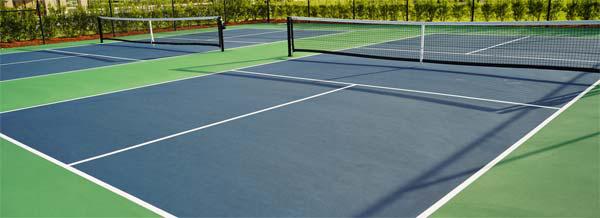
(173, 14)
(308, 8)
(407, 10)
(353, 9)
(112, 23)
(224, 13)
(39, 13)
(268, 11)
(472, 10)
(549, 9)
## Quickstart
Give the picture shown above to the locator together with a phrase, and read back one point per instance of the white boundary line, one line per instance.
(497, 45)
(153, 84)
(90, 178)
(254, 34)
(206, 126)
(437, 205)
(140, 61)
(483, 55)
(397, 89)
(93, 55)
(156, 59)
(38, 60)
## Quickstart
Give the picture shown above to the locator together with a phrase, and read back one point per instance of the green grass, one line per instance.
(554, 174)
(33, 187)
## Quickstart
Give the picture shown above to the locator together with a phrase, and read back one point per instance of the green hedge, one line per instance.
(63, 22)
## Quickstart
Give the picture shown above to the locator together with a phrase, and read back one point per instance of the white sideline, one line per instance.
(437, 205)
(397, 89)
(90, 178)
(93, 55)
(497, 45)
(206, 126)
(38, 60)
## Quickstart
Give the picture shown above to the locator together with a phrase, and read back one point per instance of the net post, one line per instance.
(39, 14)
(221, 38)
(422, 52)
(289, 36)
(100, 30)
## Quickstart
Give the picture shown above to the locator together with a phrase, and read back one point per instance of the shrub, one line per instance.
(458, 10)
(571, 9)
(488, 10)
(443, 9)
(589, 9)
(535, 8)
(501, 9)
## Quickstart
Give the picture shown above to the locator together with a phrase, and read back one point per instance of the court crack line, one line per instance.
(398, 89)
(208, 126)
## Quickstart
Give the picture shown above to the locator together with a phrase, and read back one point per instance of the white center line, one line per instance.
(207, 126)
(501, 44)
(398, 89)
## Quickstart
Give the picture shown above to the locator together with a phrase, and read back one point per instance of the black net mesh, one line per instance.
(573, 45)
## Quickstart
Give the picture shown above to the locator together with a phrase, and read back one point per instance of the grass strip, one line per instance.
(33, 187)
(554, 174)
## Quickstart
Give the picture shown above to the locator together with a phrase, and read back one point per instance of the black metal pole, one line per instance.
(39, 13)
(268, 11)
(472, 10)
(308, 8)
(353, 9)
(549, 9)
(221, 40)
(173, 14)
(224, 12)
(112, 23)
(407, 10)
(289, 36)
(100, 30)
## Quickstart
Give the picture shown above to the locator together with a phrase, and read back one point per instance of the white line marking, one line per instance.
(38, 60)
(497, 45)
(397, 89)
(483, 55)
(212, 40)
(156, 59)
(90, 178)
(206, 126)
(94, 55)
(254, 34)
(437, 205)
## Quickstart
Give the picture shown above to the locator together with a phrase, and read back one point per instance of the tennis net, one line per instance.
(175, 31)
(565, 45)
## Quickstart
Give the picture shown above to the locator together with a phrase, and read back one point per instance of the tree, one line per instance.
(535, 8)
(443, 9)
(501, 9)
(458, 10)
(488, 10)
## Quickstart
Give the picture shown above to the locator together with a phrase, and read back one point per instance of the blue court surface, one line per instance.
(319, 136)
(52, 61)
